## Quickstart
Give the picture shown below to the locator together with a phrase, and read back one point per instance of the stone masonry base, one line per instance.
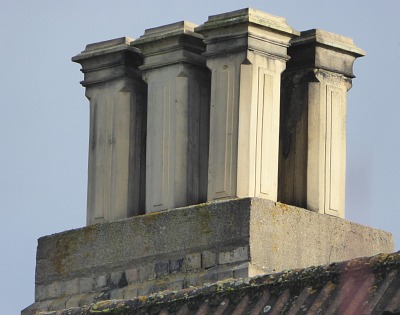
(191, 246)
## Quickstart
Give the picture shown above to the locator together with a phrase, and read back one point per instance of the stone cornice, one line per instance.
(171, 44)
(249, 16)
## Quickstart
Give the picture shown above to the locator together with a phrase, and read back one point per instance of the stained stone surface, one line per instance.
(157, 104)
(191, 246)
(178, 84)
(117, 98)
(312, 158)
(246, 53)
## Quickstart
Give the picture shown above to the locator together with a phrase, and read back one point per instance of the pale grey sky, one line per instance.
(44, 113)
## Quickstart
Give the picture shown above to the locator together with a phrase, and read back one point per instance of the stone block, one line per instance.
(191, 282)
(55, 289)
(59, 304)
(176, 285)
(238, 254)
(101, 296)
(130, 292)
(100, 282)
(210, 277)
(146, 290)
(176, 265)
(86, 284)
(117, 279)
(192, 261)
(41, 292)
(70, 287)
(117, 294)
(161, 269)
(241, 273)
(87, 299)
(146, 272)
(223, 275)
(132, 275)
(208, 259)
(73, 301)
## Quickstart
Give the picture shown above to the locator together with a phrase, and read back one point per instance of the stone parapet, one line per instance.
(191, 246)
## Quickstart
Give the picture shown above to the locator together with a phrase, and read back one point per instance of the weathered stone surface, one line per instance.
(208, 259)
(368, 285)
(312, 159)
(324, 50)
(178, 116)
(117, 139)
(250, 236)
(142, 239)
(246, 52)
(284, 237)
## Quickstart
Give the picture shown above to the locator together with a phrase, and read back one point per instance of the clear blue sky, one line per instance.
(44, 113)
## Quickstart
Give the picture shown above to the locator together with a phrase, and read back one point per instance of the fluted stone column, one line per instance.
(313, 121)
(246, 52)
(178, 113)
(117, 96)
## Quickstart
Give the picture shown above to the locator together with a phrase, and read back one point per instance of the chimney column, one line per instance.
(117, 96)
(313, 121)
(178, 113)
(246, 52)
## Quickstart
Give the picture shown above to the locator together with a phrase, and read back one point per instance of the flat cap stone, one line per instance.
(329, 39)
(171, 44)
(166, 31)
(105, 47)
(248, 15)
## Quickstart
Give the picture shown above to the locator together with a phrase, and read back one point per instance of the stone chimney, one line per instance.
(312, 163)
(246, 52)
(195, 133)
(117, 138)
(178, 116)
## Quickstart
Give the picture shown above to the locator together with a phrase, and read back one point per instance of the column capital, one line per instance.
(109, 60)
(322, 50)
(247, 29)
(332, 78)
(171, 44)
